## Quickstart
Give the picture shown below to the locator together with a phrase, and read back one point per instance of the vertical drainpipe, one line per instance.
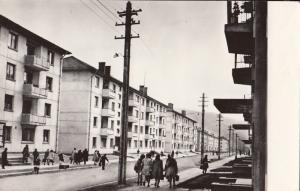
(58, 102)
(90, 114)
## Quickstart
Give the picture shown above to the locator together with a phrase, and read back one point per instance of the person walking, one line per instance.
(95, 157)
(4, 160)
(72, 157)
(79, 157)
(36, 161)
(147, 169)
(204, 164)
(25, 153)
(85, 156)
(138, 169)
(171, 170)
(99, 157)
(45, 159)
(157, 171)
(51, 157)
(102, 161)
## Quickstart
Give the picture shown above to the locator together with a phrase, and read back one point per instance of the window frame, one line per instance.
(50, 59)
(11, 77)
(5, 130)
(50, 87)
(13, 46)
(26, 129)
(48, 136)
(11, 109)
(47, 111)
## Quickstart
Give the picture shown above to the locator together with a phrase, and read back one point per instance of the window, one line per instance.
(96, 101)
(95, 122)
(138, 98)
(28, 134)
(119, 114)
(97, 81)
(8, 102)
(135, 143)
(118, 122)
(142, 115)
(111, 143)
(10, 71)
(47, 110)
(7, 133)
(49, 82)
(12, 41)
(120, 96)
(114, 87)
(50, 57)
(141, 143)
(113, 106)
(46, 135)
(136, 129)
(112, 124)
(119, 105)
(137, 114)
(94, 142)
(120, 88)
(141, 129)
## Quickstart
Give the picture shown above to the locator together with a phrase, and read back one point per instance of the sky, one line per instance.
(181, 52)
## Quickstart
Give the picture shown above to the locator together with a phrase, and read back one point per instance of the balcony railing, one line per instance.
(30, 119)
(131, 134)
(108, 93)
(149, 123)
(241, 12)
(107, 112)
(150, 109)
(106, 131)
(148, 136)
(132, 119)
(30, 90)
(133, 103)
(37, 63)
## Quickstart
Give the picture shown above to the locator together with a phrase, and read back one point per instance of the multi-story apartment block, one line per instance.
(30, 71)
(91, 112)
(181, 131)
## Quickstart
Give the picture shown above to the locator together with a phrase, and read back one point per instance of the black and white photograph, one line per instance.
(149, 95)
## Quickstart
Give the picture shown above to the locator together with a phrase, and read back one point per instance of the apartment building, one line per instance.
(91, 112)
(181, 131)
(30, 71)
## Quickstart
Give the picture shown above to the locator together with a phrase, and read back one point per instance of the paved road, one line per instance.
(77, 179)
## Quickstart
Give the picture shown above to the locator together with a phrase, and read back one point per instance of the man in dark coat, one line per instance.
(85, 156)
(25, 154)
(4, 158)
(102, 161)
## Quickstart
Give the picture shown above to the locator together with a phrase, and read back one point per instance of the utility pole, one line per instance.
(219, 138)
(202, 130)
(232, 147)
(229, 129)
(236, 145)
(124, 118)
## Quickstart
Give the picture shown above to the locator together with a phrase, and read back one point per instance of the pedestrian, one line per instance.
(102, 161)
(4, 160)
(72, 157)
(95, 157)
(79, 157)
(85, 156)
(36, 161)
(138, 169)
(147, 169)
(157, 171)
(51, 157)
(99, 157)
(204, 164)
(171, 170)
(45, 159)
(25, 153)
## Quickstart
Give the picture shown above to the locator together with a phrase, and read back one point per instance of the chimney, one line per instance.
(141, 88)
(107, 71)
(183, 112)
(101, 66)
(170, 105)
(145, 91)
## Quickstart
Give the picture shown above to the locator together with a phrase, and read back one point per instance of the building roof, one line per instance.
(30, 35)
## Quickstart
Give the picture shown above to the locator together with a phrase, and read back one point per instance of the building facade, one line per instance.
(30, 71)
(91, 114)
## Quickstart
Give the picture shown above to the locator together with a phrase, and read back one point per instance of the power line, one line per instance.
(103, 11)
(113, 29)
(108, 9)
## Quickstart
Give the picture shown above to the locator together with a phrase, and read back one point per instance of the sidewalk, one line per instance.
(184, 175)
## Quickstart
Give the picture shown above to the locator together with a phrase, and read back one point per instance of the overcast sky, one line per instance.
(181, 53)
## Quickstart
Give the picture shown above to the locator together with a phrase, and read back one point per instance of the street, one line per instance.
(78, 179)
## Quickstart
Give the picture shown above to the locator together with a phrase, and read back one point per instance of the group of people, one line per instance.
(148, 169)
(79, 156)
(100, 160)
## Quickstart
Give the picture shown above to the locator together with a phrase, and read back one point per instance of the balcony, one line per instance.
(107, 112)
(148, 136)
(149, 123)
(37, 63)
(163, 114)
(29, 119)
(133, 103)
(132, 119)
(108, 93)
(239, 30)
(150, 109)
(161, 126)
(242, 76)
(34, 92)
(131, 134)
(106, 131)
(234, 106)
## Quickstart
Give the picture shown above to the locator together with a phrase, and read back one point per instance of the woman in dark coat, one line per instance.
(171, 170)
(25, 154)
(36, 161)
(79, 157)
(157, 170)
(85, 156)
(4, 158)
(204, 163)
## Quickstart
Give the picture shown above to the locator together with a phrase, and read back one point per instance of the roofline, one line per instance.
(30, 35)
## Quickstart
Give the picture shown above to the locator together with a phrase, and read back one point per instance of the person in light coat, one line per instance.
(147, 169)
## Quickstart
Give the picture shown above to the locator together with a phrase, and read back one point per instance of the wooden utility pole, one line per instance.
(229, 129)
(124, 118)
(219, 138)
(202, 130)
